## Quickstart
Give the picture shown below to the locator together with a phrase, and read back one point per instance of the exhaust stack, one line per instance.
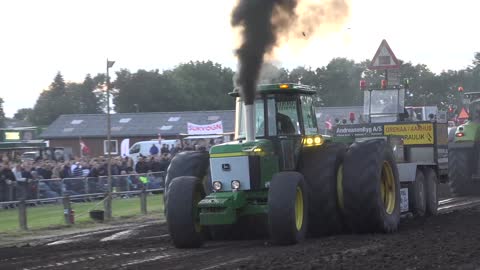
(250, 122)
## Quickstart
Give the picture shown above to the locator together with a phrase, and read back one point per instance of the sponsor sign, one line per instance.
(358, 130)
(413, 134)
(215, 128)
(421, 133)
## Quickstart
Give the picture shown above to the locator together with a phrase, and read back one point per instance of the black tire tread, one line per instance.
(281, 205)
(431, 181)
(460, 167)
(187, 163)
(417, 202)
(180, 221)
(362, 207)
(319, 167)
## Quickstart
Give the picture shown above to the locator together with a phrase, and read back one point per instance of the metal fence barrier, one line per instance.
(24, 193)
(81, 188)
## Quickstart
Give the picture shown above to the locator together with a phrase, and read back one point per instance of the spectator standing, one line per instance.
(164, 163)
(155, 165)
(165, 149)
(24, 187)
(85, 169)
(77, 170)
(176, 149)
(66, 171)
(44, 170)
(142, 166)
(154, 150)
(7, 181)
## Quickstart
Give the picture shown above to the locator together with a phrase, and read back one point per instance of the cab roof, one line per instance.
(280, 88)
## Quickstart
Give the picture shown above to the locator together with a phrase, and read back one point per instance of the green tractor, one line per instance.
(463, 152)
(282, 176)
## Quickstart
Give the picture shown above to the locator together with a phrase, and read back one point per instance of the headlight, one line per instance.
(217, 185)
(235, 184)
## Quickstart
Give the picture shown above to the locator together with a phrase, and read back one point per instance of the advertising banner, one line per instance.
(215, 128)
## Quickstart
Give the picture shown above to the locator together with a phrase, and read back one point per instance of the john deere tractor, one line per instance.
(463, 152)
(283, 176)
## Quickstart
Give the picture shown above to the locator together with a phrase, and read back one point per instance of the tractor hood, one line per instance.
(242, 148)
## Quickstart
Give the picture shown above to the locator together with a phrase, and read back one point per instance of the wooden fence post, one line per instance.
(22, 215)
(143, 201)
(107, 204)
(67, 209)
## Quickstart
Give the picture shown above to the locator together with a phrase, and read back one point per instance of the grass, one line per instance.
(51, 215)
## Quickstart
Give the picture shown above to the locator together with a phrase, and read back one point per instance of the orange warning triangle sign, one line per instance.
(463, 114)
(384, 58)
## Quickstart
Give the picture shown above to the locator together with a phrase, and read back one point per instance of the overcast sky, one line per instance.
(40, 38)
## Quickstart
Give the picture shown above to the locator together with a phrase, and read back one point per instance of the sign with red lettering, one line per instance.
(215, 128)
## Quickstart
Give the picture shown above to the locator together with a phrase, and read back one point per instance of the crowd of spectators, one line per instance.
(20, 179)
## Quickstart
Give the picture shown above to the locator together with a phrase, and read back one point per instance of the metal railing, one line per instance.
(86, 188)
(68, 190)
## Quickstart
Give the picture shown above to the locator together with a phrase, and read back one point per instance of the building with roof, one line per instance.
(91, 129)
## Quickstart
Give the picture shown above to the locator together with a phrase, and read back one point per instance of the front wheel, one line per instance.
(287, 208)
(183, 218)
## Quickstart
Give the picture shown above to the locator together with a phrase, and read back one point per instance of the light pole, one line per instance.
(108, 200)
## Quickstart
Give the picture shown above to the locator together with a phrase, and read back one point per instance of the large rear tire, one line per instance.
(287, 208)
(319, 167)
(461, 163)
(432, 191)
(370, 188)
(183, 218)
(417, 194)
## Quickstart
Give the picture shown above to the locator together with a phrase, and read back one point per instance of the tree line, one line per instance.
(205, 85)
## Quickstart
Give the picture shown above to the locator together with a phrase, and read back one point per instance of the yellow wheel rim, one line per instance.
(340, 186)
(196, 215)
(387, 188)
(299, 209)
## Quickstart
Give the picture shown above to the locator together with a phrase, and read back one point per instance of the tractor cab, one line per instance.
(285, 116)
(280, 110)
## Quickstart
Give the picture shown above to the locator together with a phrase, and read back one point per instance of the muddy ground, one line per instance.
(450, 240)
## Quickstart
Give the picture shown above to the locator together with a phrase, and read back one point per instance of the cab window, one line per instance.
(287, 115)
(308, 114)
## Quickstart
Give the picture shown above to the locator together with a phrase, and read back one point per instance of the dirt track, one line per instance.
(448, 241)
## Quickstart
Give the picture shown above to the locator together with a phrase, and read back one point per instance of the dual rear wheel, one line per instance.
(369, 188)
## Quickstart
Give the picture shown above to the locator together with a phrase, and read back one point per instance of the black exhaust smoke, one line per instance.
(257, 18)
(264, 22)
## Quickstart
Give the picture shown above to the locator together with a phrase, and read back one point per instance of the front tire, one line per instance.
(183, 218)
(188, 163)
(370, 186)
(287, 208)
